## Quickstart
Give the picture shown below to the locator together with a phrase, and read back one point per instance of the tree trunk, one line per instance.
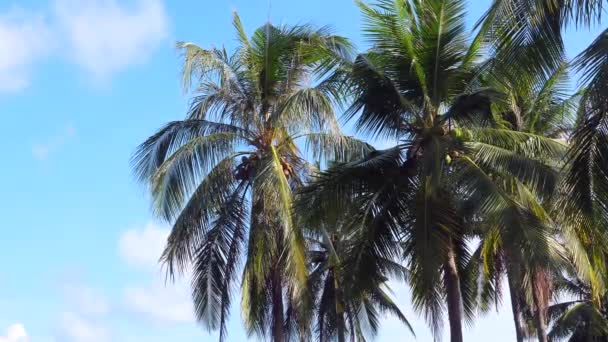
(341, 334)
(339, 309)
(454, 297)
(539, 281)
(278, 320)
(515, 306)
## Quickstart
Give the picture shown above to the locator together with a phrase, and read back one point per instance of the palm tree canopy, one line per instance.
(419, 83)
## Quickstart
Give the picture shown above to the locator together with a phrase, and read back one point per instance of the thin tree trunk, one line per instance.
(339, 309)
(454, 297)
(515, 306)
(538, 296)
(341, 327)
(278, 320)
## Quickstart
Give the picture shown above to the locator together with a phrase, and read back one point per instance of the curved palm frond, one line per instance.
(580, 322)
(152, 153)
(178, 175)
(216, 262)
(329, 147)
(307, 108)
(197, 215)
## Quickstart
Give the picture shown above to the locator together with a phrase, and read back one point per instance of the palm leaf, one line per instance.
(197, 215)
(215, 263)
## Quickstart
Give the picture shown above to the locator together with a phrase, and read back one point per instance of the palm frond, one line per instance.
(180, 173)
(386, 304)
(434, 225)
(215, 262)
(384, 111)
(537, 175)
(580, 319)
(346, 180)
(329, 147)
(277, 198)
(199, 63)
(196, 217)
(308, 108)
(152, 153)
(441, 34)
(526, 144)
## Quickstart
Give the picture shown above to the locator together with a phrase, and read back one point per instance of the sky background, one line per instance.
(82, 83)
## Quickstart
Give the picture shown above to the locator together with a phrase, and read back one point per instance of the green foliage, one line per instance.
(498, 172)
(225, 175)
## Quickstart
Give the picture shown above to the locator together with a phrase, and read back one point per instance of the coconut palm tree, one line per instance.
(224, 175)
(586, 182)
(536, 104)
(343, 311)
(535, 28)
(423, 197)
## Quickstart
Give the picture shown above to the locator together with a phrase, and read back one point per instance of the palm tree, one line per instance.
(579, 318)
(224, 176)
(535, 28)
(341, 310)
(423, 197)
(585, 212)
(537, 104)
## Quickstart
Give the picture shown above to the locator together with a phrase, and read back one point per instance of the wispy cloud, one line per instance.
(24, 39)
(86, 308)
(105, 37)
(142, 247)
(15, 333)
(88, 312)
(76, 328)
(42, 151)
(168, 303)
(86, 300)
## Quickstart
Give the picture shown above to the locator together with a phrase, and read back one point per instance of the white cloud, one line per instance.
(24, 39)
(86, 300)
(15, 333)
(143, 247)
(75, 328)
(170, 303)
(105, 37)
(102, 36)
(42, 151)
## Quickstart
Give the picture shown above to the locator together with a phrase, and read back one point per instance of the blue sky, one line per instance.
(81, 84)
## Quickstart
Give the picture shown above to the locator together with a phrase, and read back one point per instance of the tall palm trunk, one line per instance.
(454, 297)
(513, 279)
(278, 320)
(515, 306)
(539, 284)
(339, 309)
(341, 334)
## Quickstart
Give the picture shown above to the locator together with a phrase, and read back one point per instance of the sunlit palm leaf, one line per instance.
(195, 219)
